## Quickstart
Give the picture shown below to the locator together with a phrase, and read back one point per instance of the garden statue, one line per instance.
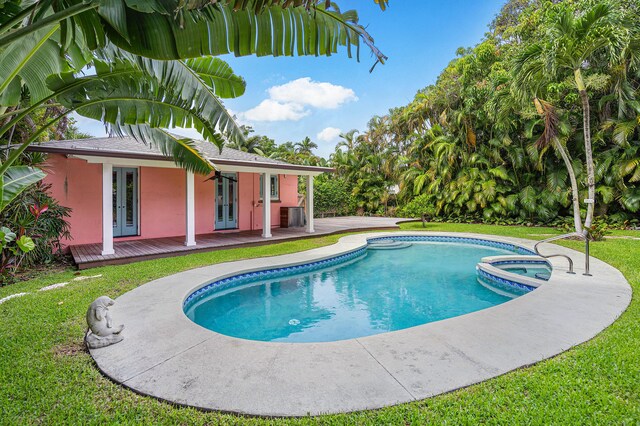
(101, 331)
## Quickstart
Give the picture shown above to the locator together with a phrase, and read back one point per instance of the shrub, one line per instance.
(13, 250)
(332, 194)
(420, 205)
(599, 228)
(36, 214)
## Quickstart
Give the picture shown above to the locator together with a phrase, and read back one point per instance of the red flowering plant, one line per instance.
(32, 226)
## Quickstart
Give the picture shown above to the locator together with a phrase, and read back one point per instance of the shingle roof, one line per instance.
(130, 147)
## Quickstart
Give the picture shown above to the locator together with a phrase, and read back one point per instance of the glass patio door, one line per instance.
(125, 201)
(226, 201)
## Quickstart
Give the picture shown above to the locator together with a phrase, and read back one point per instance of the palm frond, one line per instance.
(551, 123)
(183, 150)
(591, 18)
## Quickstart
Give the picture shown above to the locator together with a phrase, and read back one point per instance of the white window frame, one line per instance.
(275, 187)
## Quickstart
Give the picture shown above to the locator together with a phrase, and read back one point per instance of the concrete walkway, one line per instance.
(167, 356)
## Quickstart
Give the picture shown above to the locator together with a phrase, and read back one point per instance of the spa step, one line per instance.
(542, 276)
(388, 245)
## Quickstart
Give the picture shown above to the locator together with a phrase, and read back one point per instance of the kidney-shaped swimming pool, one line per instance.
(390, 285)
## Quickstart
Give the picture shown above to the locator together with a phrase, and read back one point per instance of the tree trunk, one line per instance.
(575, 195)
(591, 185)
(586, 121)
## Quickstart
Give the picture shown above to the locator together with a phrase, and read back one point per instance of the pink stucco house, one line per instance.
(120, 189)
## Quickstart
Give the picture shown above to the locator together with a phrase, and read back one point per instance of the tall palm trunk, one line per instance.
(575, 195)
(586, 121)
(547, 111)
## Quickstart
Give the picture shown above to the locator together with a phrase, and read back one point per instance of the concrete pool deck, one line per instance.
(167, 356)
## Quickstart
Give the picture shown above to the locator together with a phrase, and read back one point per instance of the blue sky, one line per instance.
(290, 98)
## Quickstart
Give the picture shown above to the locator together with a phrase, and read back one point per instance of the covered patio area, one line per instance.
(90, 255)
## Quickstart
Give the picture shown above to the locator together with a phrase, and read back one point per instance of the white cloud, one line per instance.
(329, 134)
(289, 101)
(304, 91)
(270, 110)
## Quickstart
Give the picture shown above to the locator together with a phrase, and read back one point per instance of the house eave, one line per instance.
(225, 163)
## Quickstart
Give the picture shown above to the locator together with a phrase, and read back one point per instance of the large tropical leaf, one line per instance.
(630, 200)
(218, 75)
(183, 150)
(606, 193)
(121, 94)
(180, 29)
(28, 62)
(199, 81)
(500, 172)
(10, 10)
(631, 166)
(528, 68)
(208, 72)
(557, 179)
(130, 101)
(527, 199)
(15, 180)
(251, 27)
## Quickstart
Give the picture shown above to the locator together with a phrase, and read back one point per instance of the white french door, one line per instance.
(226, 201)
(125, 201)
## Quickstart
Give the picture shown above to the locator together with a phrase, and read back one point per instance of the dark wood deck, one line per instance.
(89, 255)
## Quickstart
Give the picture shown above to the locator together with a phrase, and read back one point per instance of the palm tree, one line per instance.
(305, 146)
(348, 140)
(250, 144)
(572, 44)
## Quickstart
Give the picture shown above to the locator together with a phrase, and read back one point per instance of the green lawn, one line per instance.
(47, 377)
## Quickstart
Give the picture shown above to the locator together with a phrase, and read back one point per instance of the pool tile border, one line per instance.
(503, 283)
(265, 274)
(451, 239)
(520, 262)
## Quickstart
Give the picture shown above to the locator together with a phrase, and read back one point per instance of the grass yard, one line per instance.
(47, 377)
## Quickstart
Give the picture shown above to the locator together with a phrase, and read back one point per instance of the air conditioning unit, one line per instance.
(291, 217)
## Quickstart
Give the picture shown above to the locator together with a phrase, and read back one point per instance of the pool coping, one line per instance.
(167, 356)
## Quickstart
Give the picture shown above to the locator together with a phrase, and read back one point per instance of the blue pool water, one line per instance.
(380, 291)
(540, 272)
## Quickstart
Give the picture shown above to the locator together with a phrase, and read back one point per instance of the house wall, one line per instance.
(78, 184)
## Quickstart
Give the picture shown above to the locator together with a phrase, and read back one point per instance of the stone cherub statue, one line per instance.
(101, 331)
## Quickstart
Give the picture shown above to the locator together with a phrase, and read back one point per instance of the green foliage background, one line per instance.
(332, 196)
(466, 148)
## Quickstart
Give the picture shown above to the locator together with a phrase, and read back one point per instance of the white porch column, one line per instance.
(309, 203)
(107, 209)
(266, 205)
(190, 239)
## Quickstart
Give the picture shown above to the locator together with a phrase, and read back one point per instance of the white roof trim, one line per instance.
(249, 168)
